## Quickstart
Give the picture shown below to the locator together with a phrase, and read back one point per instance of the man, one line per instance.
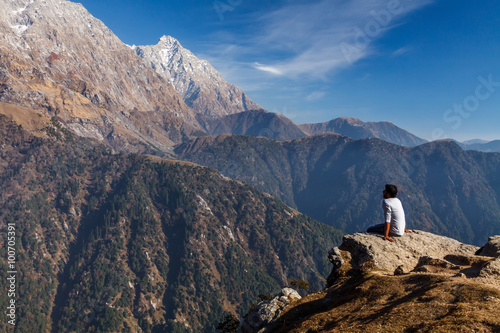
(394, 215)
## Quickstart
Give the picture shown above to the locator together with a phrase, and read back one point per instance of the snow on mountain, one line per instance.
(59, 60)
(199, 84)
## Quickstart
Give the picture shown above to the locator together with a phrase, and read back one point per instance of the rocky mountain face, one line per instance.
(420, 283)
(339, 181)
(357, 129)
(199, 84)
(114, 242)
(57, 59)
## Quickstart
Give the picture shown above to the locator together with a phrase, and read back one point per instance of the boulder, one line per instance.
(491, 249)
(491, 269)
(399, 270)
(262, 316)
(371, 250)
(335, 257)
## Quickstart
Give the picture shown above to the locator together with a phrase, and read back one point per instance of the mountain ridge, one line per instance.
(199, 84)
(333, 179)
(357, 129)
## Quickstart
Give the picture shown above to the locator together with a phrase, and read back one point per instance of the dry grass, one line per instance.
(410, 303)
(31, 120)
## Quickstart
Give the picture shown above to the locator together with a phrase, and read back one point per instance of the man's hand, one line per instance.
(387, 226)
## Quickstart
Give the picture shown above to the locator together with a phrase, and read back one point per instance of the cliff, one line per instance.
(421, 283)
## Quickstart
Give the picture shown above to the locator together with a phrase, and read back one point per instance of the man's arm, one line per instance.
(387, 217)
(387, 228)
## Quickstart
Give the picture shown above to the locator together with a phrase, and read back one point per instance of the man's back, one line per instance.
(395, 215)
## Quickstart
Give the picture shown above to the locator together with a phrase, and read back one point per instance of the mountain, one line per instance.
(474, 141)
(135, 99)
(487, 147)
(339, 181)
(357, 129)
(58, 60)
(255, 123)
(196, 81)
(115, 242)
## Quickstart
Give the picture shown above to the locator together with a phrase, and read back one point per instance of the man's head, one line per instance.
(391, 191)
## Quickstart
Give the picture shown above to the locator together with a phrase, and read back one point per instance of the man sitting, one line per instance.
(394, 214)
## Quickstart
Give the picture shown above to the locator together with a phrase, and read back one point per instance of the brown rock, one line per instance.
(406, 251)
(492, 248)
(399, 270)
(491, 269)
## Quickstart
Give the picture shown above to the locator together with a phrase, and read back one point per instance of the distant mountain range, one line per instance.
(278, 127)
(481, 145)
(339, 181)
(58, 60)
(357, 129)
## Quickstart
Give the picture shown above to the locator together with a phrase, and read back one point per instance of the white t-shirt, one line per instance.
(395, 215)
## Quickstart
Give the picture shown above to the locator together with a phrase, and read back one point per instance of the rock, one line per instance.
(460, 275)
(260, 318)
(429, 261)
(465, 260)
(290, 294)
(406, 251)
(491, 249)
(399, 270)
(491, 269)
(72, 211)
(335, 257)
(423, 269)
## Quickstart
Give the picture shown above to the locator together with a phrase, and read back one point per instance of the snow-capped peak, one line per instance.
(195, 80)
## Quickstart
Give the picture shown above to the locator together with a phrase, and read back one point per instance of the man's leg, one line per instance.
(377, 229)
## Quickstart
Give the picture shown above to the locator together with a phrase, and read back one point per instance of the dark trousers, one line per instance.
(377, 229)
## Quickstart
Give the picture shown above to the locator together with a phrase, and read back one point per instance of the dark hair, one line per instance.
(392, 190)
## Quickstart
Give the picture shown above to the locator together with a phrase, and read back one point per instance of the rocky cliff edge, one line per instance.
(421, 282)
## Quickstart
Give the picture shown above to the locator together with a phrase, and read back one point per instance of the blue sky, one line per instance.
(429, 66)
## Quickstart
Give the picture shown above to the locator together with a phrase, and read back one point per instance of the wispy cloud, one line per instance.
(401, 51)
(316, 95)
(272, 70)
(309, 40)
